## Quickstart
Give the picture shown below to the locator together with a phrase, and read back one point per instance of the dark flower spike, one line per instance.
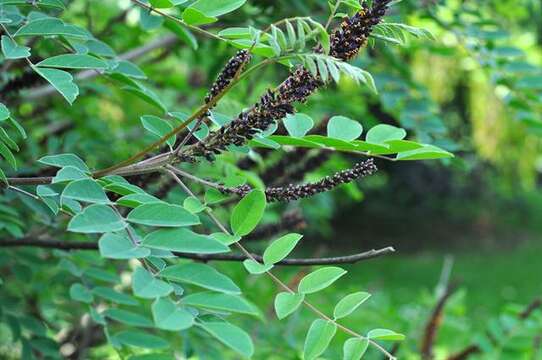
(300, 84)
(353, 32)
(234, 66)
(295, 192)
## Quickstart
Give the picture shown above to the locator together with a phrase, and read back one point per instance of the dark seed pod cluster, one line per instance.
(235, 65)
(300, 84)
(295, 192)
(243, 128)
(353, 32)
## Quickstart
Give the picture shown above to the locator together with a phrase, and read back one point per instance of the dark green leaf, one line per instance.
(141, 339)
(73, 61)
(80, 293)
(51, 26)
(62, 160)
(128, 317)
(85, 190)
(183, 240)
(158, 127)
(201, 275)
(115, 246)
(145, 285)
(162, 214)
(62, 81)
(97, 219)
(11, 50)
(220, 302)
(114, 296)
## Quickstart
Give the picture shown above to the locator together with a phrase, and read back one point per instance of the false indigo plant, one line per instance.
(125, 212)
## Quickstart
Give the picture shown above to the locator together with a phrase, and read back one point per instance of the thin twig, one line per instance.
(71, 245)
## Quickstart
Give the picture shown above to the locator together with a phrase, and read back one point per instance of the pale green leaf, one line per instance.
(286, 303)
(426, 152)
(280, 248)
(349, 303)
(248, 212)
(213, 8)
(354, 348)
(318, 338)
(343, 128)
(193, 16)
(298, 124)
(385, 335)
(382, 133)
(255, 268)
(231, 336)
(320, 279)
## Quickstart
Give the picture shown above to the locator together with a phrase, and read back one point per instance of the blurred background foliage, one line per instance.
(476, 90)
